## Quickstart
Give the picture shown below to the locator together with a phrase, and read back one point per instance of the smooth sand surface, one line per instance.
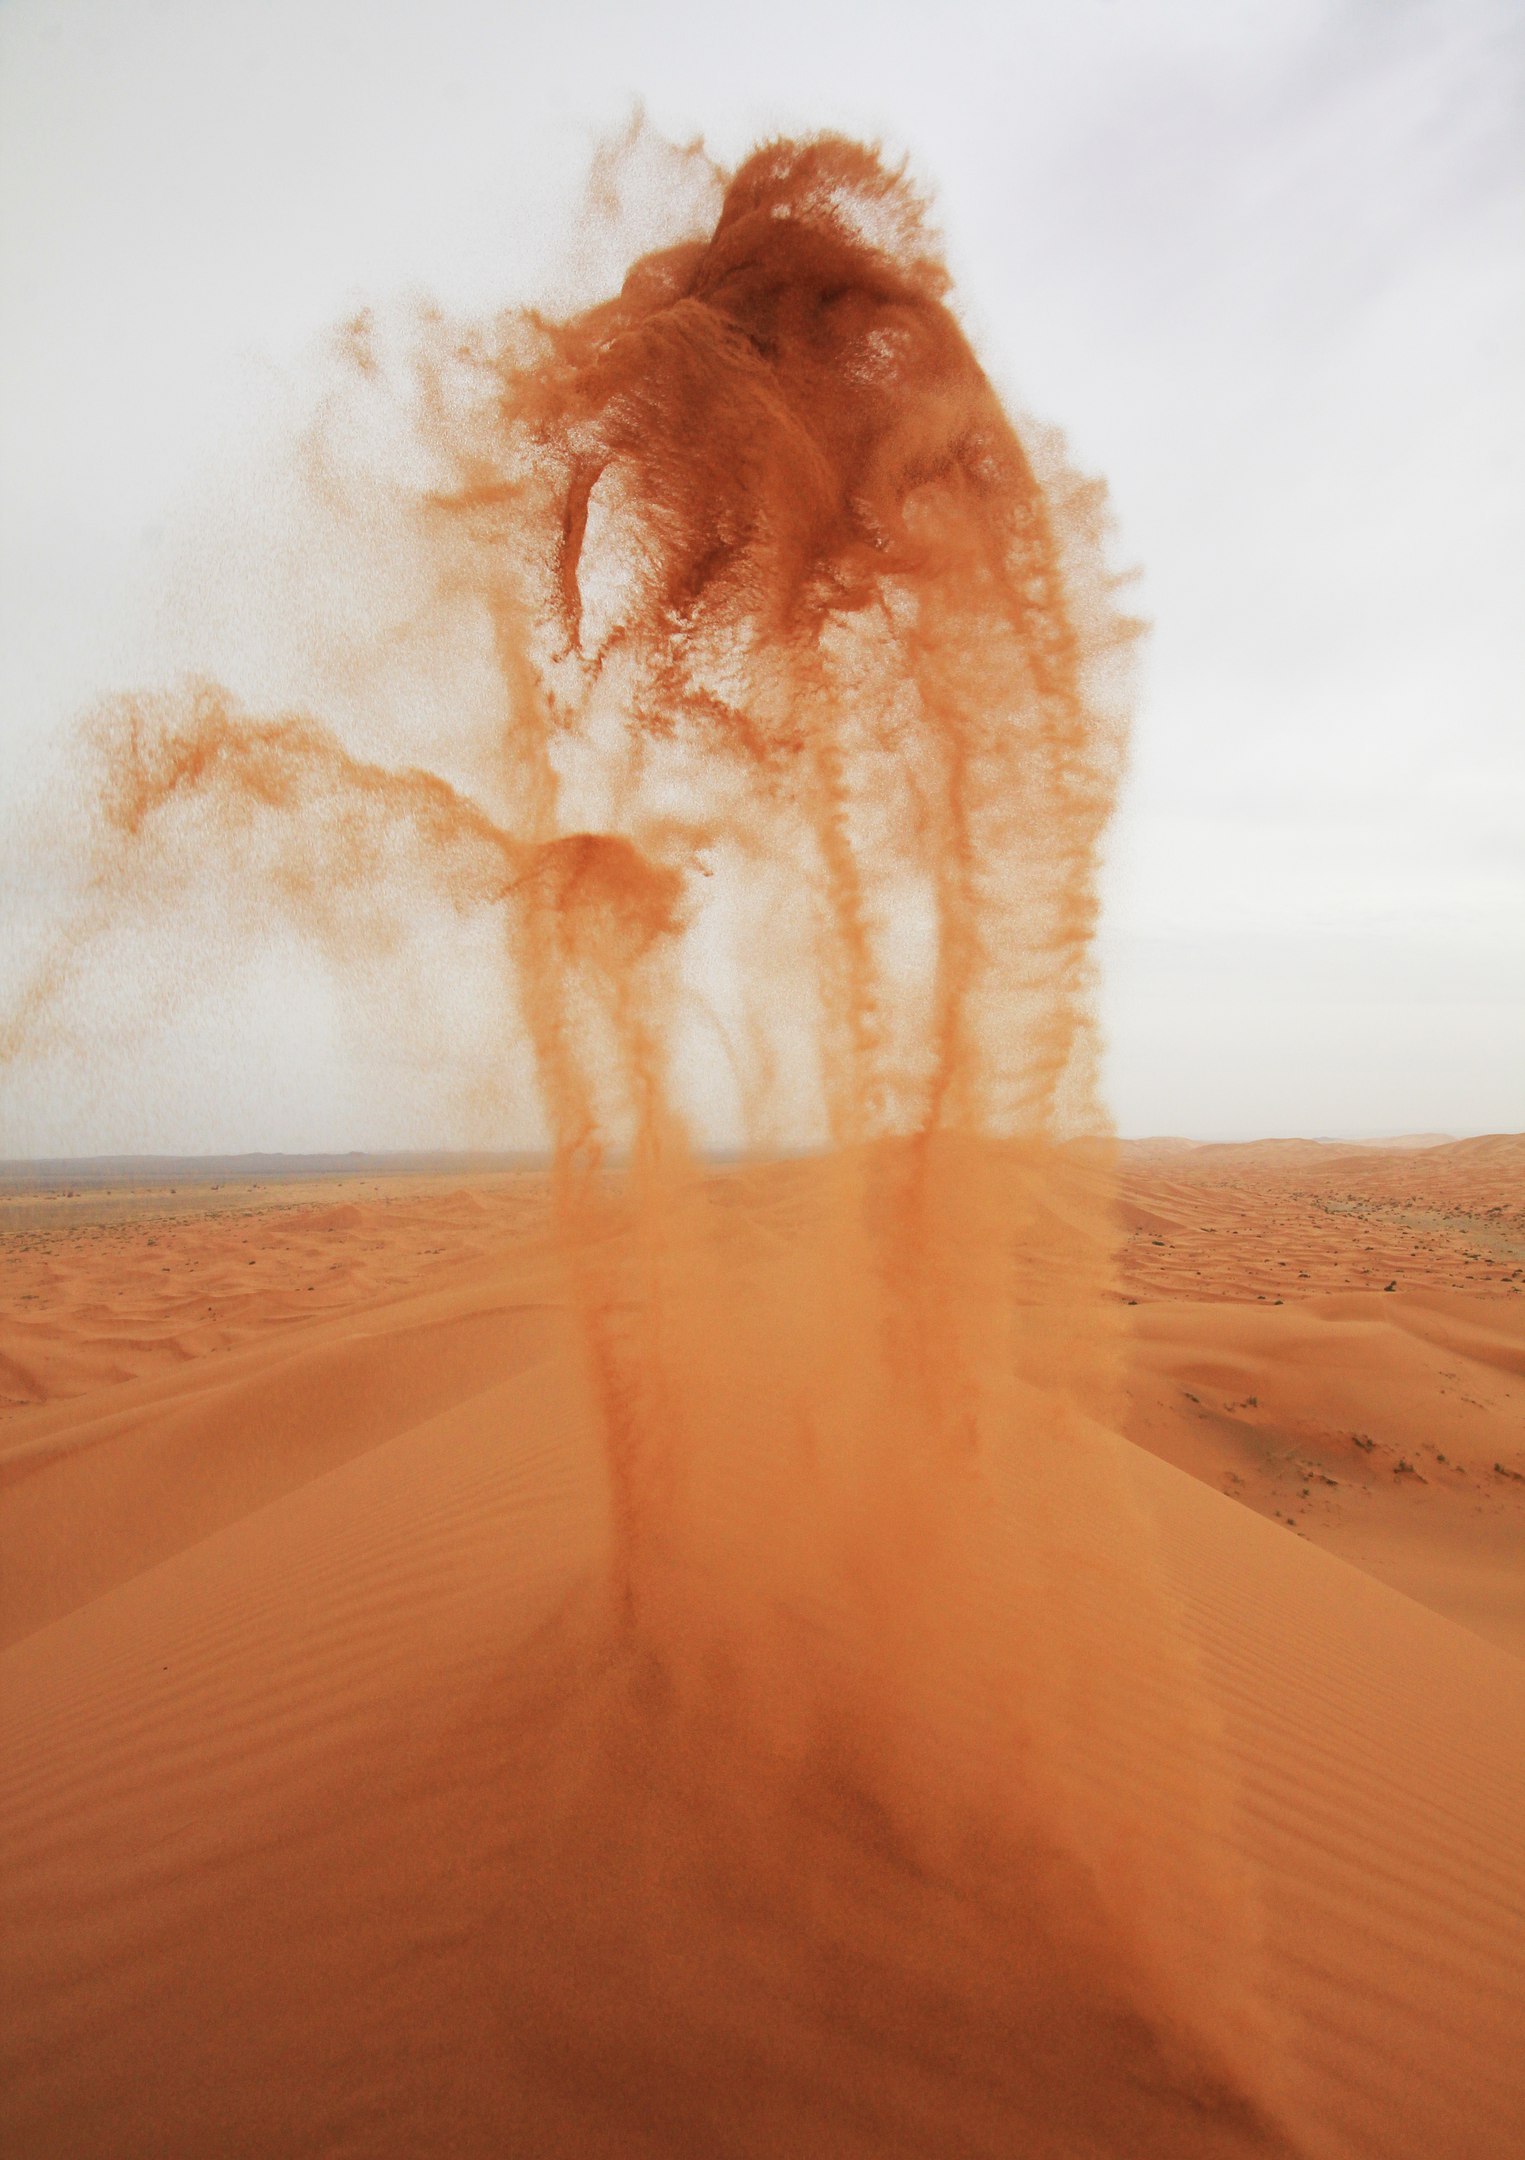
(322, 1811)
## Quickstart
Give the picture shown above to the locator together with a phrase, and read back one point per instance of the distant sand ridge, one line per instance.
(1336, 1336)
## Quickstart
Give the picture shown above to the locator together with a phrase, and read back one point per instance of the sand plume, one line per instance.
(812, 691)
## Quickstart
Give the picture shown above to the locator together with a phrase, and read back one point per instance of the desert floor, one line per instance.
(1336, 1337)
(299, 1502)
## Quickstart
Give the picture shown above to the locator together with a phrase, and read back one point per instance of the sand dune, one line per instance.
(105, 1282)
(1342, 1347)
(309, 1702)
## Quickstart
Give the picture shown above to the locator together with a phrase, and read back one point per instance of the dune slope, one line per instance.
(332, 1822)
(1336, 1337)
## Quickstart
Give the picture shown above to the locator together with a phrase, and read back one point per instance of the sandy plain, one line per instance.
(299, 1502)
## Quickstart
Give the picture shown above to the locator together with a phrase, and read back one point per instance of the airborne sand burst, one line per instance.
(812, 693)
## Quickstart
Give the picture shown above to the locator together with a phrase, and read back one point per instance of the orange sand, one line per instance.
(1336, 1337)
(663, 1660)
(303, 1523)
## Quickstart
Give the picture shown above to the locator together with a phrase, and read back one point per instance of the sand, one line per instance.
(303, 1515)
(696, 1660)
(1336, 1337)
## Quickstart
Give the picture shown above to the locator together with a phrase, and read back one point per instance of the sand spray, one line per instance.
(887, 1804)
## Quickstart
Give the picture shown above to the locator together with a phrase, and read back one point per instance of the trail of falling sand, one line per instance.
(880, 1813)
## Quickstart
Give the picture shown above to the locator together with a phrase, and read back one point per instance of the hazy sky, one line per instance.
(1260, 259)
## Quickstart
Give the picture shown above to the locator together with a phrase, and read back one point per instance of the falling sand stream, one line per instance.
(868, 1805)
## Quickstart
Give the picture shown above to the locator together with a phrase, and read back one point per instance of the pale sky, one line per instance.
(1260, 259)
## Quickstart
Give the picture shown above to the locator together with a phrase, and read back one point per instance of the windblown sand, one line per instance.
(663, 1659)
(331, 1825)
